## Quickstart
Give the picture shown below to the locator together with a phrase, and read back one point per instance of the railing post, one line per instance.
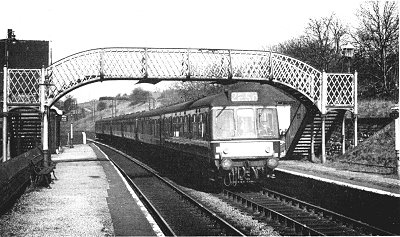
(101, 69)
(271, 65)
(44, 109)
(230, 73)
(188, 64)
(5, 110)
(145, 59)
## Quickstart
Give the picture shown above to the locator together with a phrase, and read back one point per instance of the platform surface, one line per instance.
(382, 184)
(89, 198)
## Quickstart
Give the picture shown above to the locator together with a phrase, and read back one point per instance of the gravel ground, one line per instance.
(236, 217)
(74, 206)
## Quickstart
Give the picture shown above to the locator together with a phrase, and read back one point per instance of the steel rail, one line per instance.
(350, 222)
(269, 213)
(297, 226)
(231, 230)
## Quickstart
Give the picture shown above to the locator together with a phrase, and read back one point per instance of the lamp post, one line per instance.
(10, 39)
(348, 52)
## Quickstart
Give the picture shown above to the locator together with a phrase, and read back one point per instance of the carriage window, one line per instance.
(195, 127)
(267, 124)
(245, 123)
(224, 123)
(186, 126)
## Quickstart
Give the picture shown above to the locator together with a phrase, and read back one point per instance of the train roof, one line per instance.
(267, 95)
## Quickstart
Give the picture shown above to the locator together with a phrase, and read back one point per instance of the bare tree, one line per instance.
(69, 103)
(377, 37)
(320, 45)
(326, 34)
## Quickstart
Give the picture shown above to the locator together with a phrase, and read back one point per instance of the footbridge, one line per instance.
(321, 93)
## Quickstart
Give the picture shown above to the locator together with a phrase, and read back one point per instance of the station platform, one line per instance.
(89, 198)
(376, 183)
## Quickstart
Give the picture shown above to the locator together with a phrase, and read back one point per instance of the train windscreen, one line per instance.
(224, 124)
(267, 123)
(245, 123)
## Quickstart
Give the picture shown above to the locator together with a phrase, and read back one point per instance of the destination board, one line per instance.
(244, 96)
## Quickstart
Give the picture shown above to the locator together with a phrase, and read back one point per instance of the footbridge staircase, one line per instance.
(304, 137)
(306, 142)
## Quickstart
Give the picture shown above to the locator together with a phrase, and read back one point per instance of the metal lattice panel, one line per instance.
(179, 64)
(340, 89)
(23, 86)
(298, 75)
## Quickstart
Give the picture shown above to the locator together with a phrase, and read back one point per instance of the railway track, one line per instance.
(176, 213)
(294, 217)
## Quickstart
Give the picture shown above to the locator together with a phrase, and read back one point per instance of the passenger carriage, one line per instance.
(232, 136)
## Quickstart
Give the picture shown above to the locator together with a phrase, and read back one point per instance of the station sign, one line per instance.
(64, 118)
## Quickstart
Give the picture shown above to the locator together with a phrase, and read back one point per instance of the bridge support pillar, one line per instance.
(344, 134)
(355, 130)
(45, 137)
(44, 109)
(5, 110)
(323, 138)
(312, 149)
(355, 109)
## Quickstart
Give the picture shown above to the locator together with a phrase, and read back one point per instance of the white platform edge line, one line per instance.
(149, 218)
(341, 183)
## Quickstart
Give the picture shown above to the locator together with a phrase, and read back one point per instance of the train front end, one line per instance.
(245, 139)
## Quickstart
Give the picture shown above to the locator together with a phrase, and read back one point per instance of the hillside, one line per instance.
(87, 123)
(374, 155)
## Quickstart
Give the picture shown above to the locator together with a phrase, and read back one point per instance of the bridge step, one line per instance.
(302, 147)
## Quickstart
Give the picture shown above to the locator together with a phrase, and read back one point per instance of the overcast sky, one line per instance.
(72, 26)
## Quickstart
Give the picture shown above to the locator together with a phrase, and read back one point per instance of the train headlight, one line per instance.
(272, 163)
(268, 149)
(226, 150)
(226, 164)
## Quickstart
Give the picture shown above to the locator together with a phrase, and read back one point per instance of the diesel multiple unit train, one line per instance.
(231, 137)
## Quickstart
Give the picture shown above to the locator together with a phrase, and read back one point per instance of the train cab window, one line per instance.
(224, 125)
(245, 123)
(267, 123)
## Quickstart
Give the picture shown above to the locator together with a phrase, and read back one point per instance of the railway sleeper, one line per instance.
(332, 229)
